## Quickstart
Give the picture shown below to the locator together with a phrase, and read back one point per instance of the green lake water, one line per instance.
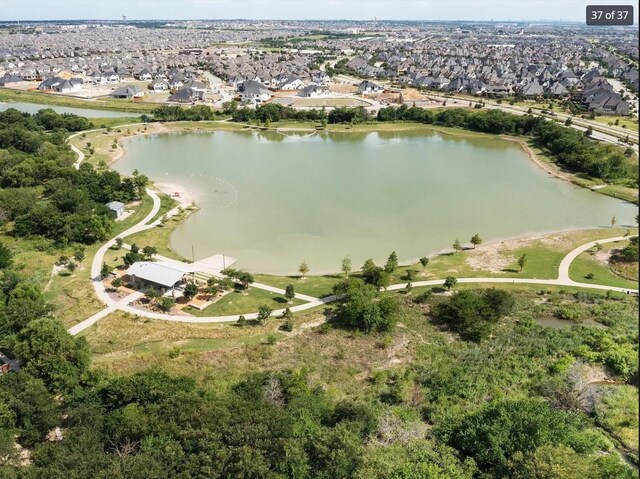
(272, 200)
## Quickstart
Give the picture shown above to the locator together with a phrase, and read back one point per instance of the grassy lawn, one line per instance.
(200, 126)
(543, 257)
(317, 286)
(73, 296)
(8, 95)
(629, 123)
(587, 263)
(102, 141)
(328, 102)
(113, 122)
(159, 235)
(621, 192)
(219, 356)
(239, 303)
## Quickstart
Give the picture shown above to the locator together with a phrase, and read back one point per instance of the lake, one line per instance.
(272, 200)
(86, 112)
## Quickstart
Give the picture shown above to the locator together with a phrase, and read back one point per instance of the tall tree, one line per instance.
(6, 257)
(190, 290)
(392, 263)
(166, 303)
(522, 261)
(52, 354)
(450, 282)
(303, 269)
(264, 312)
(424, 261)
(346, 266)
(149, 251)
(26, 303)
(457, 246)
(290, 293)
(476, 240)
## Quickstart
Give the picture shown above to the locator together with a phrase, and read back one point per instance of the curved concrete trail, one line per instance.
(123, 305)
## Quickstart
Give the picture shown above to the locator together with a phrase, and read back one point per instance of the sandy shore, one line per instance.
(186, 198)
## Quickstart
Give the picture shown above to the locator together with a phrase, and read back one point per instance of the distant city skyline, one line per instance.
(463, 10)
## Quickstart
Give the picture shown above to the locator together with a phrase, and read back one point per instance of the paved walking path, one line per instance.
(562, 280)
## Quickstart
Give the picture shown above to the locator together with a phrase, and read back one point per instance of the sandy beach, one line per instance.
(185, 198)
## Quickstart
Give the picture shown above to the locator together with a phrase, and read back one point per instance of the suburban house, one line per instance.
(159, 85)
(144, 75)
(291, 83)
(369, 87)
(116, 208)
(254, 92)
(313, 91)
(113, 77)
(11, 80)
(320, 78)
(195, 85)
(128, 92)
(235, 80)
(162, 275)
(558, 90)
(98, 78)
(61, 85)
(531, 90)
(599, 97)
(187, 95)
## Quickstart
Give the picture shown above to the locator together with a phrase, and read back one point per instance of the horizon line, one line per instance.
(119, 20)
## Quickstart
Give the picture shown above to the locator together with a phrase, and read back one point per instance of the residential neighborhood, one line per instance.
(200, 62)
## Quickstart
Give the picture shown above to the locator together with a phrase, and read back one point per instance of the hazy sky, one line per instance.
(302, 9)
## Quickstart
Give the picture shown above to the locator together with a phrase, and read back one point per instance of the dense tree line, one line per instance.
(178, 113)
(568, 147)
(273, 112)
(45, 119)
(43, 194)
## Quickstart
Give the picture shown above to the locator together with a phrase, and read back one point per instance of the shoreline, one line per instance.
(187, 198)
(502, 242)
(533, 157)
(161, 127)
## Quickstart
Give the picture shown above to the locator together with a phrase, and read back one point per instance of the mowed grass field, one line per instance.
(236, 302)
(9, 95)
(623, 122)
(594, 263)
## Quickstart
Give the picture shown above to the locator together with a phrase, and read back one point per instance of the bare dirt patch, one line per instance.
(343, 88)
(489, 258)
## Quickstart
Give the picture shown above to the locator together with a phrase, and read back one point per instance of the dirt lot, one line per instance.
(343, 88)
